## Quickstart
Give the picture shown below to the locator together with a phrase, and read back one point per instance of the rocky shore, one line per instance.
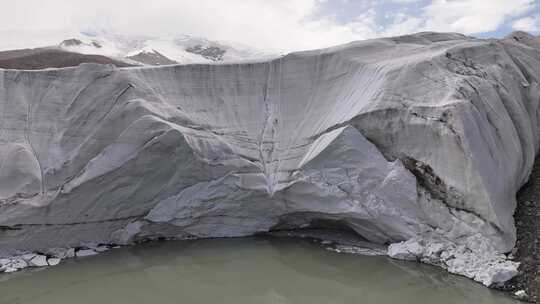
(50, 257)
(527, 216)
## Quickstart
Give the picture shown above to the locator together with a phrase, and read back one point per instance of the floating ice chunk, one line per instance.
(486, 267)
(70, 253)
(102, 248)
(85, 252)
(497, 272)
(60, 253)
(38, 261)
(10, 269)
(53, 261)
(410, 250)
(521, 294)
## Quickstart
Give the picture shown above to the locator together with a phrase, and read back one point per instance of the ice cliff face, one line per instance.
(425, 136)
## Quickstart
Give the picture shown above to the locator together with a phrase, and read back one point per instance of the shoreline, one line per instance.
(340, 241)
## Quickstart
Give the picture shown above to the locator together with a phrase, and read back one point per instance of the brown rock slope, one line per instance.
(527, 217)
(41, 58)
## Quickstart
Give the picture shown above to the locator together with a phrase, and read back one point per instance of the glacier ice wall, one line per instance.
(427, 134)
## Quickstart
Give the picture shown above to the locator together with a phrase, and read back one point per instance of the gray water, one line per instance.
(238, 271)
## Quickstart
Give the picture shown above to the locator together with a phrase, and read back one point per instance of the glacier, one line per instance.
(419, 142)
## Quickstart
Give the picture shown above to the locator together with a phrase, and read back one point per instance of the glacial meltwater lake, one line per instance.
(257, 270)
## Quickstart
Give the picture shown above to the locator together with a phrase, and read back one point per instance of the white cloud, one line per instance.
(403, 24)
(268, 24)
(404, 1)
(472, 16)
(463, 16)
(528, 24)
(276, 24)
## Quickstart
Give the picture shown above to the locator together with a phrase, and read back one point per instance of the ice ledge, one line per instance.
(475, 258)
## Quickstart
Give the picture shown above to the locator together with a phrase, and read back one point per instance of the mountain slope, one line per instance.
(125, 51)
(151, 58)
(41, 58)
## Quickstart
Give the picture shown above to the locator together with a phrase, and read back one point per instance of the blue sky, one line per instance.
(526, 17)
(282, 25)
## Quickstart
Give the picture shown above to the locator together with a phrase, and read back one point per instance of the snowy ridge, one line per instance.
(183, 49)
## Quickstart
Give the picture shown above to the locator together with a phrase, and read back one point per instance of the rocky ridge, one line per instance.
(42, 58)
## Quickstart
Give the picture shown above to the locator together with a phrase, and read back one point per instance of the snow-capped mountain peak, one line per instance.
(149, 50)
